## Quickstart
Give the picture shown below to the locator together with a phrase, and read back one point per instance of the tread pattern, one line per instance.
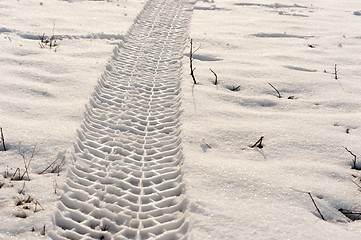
(127, 179)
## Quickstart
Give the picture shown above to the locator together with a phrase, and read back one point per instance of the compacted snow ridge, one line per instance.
(127, 179)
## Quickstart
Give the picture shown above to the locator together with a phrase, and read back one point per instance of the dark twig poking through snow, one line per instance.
(234, 88)
(354, 160)
(335, 73)
(191, 63)
(279, 94)
(258, 143)
(313, 201)
(215, 76)
(2, 138)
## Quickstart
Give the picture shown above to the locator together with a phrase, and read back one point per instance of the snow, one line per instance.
(233, 191)
(238, 192)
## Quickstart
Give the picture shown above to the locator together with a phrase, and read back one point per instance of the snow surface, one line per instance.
(233, 191)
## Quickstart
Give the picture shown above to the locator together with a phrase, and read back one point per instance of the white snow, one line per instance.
(233, 191)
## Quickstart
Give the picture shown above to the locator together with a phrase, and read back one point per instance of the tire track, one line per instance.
(127, 180)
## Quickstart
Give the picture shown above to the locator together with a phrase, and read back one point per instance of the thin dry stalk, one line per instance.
(215, 76)
(354, 160)
(258, 143)
(313, 201)
(191, 63)
(55, 166)
(2, 138)
(278, 93)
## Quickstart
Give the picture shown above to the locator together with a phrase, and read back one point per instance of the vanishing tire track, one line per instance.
(127, 180)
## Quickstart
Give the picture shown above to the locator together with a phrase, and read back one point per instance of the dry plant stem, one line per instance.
(336, 72)
(258, 143)
(279, 94)
(54, 167)
(313, 201)
(235, 88)
(22, 189)
(191, 63)
(354, 161)
(2, 139)
(216, 77)
(358, 185)
(14, 175)
(36, 204)
(27, 164)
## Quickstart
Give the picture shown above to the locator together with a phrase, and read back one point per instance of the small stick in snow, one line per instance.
(22, 189)
(54, 166)
(279, 94)
(258, 143)
(36, 205)
(358, 185)
(313, 201)
(191, 62)
(2, 138)
(335, 73)
(215, 75)
(204, 142)
(354, 160)
(233, 88)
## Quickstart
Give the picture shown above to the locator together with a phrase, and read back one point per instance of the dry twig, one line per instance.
(279, 94)
(258, 143)
(215, 75)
